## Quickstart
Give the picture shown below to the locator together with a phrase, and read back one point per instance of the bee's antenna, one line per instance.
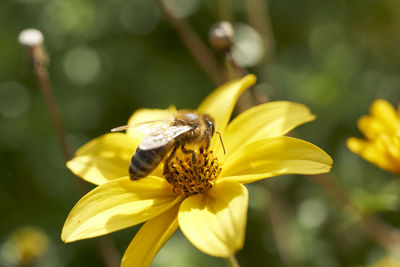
(222, 143)
(120, 128)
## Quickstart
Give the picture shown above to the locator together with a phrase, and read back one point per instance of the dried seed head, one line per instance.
(30, 38)
(221, 36)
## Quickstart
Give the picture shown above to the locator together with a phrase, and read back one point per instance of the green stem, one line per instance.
(224, 10)
(232, 261)
(38, 57)
(199, 50)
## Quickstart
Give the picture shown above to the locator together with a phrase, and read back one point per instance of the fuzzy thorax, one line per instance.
(181, 173)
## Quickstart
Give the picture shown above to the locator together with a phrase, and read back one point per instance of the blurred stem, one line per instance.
(260, 20)
(277, 213)
(224, 9)
(234, 70)
(39, 60)
(279, 217)
(232, 261)
(108, 251)
(247, 99)
(195, 45)
(381, 232)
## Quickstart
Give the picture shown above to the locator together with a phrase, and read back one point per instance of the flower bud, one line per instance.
(30, 38)
(221, 36)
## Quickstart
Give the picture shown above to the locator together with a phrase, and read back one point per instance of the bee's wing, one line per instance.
(163, 136)
(144, 127)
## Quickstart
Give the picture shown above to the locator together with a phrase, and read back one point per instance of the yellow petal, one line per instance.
(220, 103)
(104, 158)
(374, 152)
(118, 204)
(385, 112)
(145, 115)
(387, 262)
(150, 238)
(215, 222)
(372, 127)
(266, 120)
(274, 156)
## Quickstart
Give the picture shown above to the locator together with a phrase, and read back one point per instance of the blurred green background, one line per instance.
(109, 58)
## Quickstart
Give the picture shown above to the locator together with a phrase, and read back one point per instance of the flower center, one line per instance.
(192, 178)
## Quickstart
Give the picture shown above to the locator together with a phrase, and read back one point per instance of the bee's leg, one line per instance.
(166, 164)
(194, 158)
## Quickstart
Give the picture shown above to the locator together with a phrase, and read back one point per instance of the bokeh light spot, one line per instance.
(73, 16)
(323, 36)
(249, 48)
(82, 65)
(139, 17)
(312, 213)
(182, 8)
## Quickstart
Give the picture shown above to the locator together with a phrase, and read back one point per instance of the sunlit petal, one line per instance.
(372, 127)
(104, 158)
(266, 120)
(220, 103)
(274, 156)
(118, 204)
(385, 112)
(145, 115)
(150, 238)
(215, 222)
(375, 152)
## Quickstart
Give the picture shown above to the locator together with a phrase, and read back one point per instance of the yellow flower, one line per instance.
(387, 262)
(382, 131)
(213, 219)
(25, 246)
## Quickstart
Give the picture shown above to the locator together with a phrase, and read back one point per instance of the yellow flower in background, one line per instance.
(213, 218)
(382, 131)
(387, 262)
(24, 247)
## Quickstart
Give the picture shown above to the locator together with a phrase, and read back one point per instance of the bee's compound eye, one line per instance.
(211, 126)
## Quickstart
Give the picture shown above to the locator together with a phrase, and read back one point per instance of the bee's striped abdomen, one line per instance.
(143, 162)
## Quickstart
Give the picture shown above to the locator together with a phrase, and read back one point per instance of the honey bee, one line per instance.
(186, 127)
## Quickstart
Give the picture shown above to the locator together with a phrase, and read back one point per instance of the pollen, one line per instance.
(188, 178)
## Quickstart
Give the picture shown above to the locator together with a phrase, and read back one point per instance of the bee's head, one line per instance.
(211, 128)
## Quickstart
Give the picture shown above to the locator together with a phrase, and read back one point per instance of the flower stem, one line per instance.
(39, 60)
(232, 261)
(387, 236)
(279, 216)
(260, 19)
(194, 44)
(224, 10)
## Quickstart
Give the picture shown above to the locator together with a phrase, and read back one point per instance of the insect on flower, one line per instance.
(163, 136)
(206, 199)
